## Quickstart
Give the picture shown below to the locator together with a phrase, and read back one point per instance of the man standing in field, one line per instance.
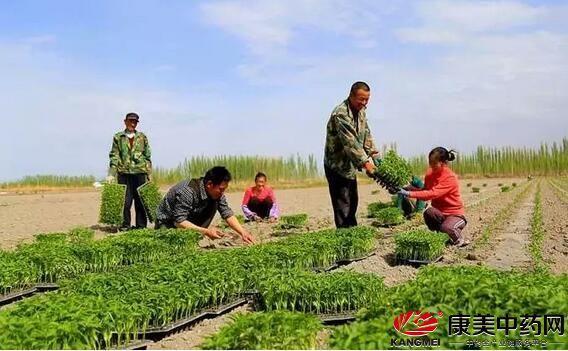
(130, 163)
(349, 146)
(191, 204)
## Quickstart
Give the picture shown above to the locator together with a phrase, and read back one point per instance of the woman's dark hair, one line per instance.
(259, 175)
(217, 175)
(441, 154)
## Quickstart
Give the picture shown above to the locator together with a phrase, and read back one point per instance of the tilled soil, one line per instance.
(555, 218)
(383, 264)
(510, 243)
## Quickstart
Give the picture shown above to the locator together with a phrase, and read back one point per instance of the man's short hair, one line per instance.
(217, 175)
(359, 85)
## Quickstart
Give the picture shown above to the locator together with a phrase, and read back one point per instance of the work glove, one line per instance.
(403, 192)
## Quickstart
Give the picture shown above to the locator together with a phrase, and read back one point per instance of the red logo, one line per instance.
(416, 323)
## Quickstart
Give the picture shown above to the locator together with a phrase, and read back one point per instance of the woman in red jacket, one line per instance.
(441, 187)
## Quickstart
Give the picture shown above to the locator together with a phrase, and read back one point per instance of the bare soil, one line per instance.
(555, 218)
(192, 338)
(510, 243)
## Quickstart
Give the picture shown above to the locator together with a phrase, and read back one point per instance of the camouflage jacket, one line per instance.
(130, 160)
(349, 143)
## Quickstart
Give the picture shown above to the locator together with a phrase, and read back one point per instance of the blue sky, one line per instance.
(261, 77)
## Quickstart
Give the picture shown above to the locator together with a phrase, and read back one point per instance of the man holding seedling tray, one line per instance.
(130, 163)
(191, 204)
(349, 146)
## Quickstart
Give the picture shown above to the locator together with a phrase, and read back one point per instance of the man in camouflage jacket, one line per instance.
(349, 147)
(130, 163)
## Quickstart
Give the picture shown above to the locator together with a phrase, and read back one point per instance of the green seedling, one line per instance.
(151, 198)
(420, 244)
(388, 217)
(112, 204)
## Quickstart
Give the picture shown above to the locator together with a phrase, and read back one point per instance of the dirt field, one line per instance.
(23, 216)
(503, 219)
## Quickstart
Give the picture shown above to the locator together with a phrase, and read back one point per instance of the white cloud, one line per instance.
(268, 27)
(451, 22)
(501, 78)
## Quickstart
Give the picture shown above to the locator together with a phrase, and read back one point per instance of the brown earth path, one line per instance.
(555, 218)
(22, 216)
(509, 247)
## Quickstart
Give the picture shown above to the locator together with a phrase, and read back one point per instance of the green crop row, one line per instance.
(537, 231)
(468, 291)
(86, 312)
(498, 220)
(278, 330)
(308, 292)
(64, 255)
(420, 244)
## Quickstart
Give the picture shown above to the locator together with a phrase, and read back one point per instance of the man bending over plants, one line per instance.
(447, 212)
(191, 204)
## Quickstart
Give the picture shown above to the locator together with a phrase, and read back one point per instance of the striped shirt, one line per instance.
(188, 200)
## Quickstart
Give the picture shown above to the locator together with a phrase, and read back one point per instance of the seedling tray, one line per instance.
(156, 334)
(135, 345)
(351, 260)
(417, 262)
(15, 296)
(45, 287)
(343, 262)
(337, 319)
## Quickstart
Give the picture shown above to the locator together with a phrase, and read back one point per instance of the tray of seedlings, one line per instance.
(156, 334)
(151, 197)
(419, 247)
(17, 295)
(388, 217)
(393, 172)
(337, 318)
(332, 297)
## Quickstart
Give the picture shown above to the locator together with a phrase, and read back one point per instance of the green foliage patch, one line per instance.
(420, 244)
(112, 204)
(279, 330)
(151, 197)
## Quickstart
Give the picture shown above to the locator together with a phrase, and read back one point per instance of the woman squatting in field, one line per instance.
(259, 201)
(441, 187)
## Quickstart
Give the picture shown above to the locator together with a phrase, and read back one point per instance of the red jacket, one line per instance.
(443, 189)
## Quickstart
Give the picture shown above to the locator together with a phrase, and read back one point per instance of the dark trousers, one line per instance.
(261, 208)
(451, 225)
(344, 198)
(133, 181)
